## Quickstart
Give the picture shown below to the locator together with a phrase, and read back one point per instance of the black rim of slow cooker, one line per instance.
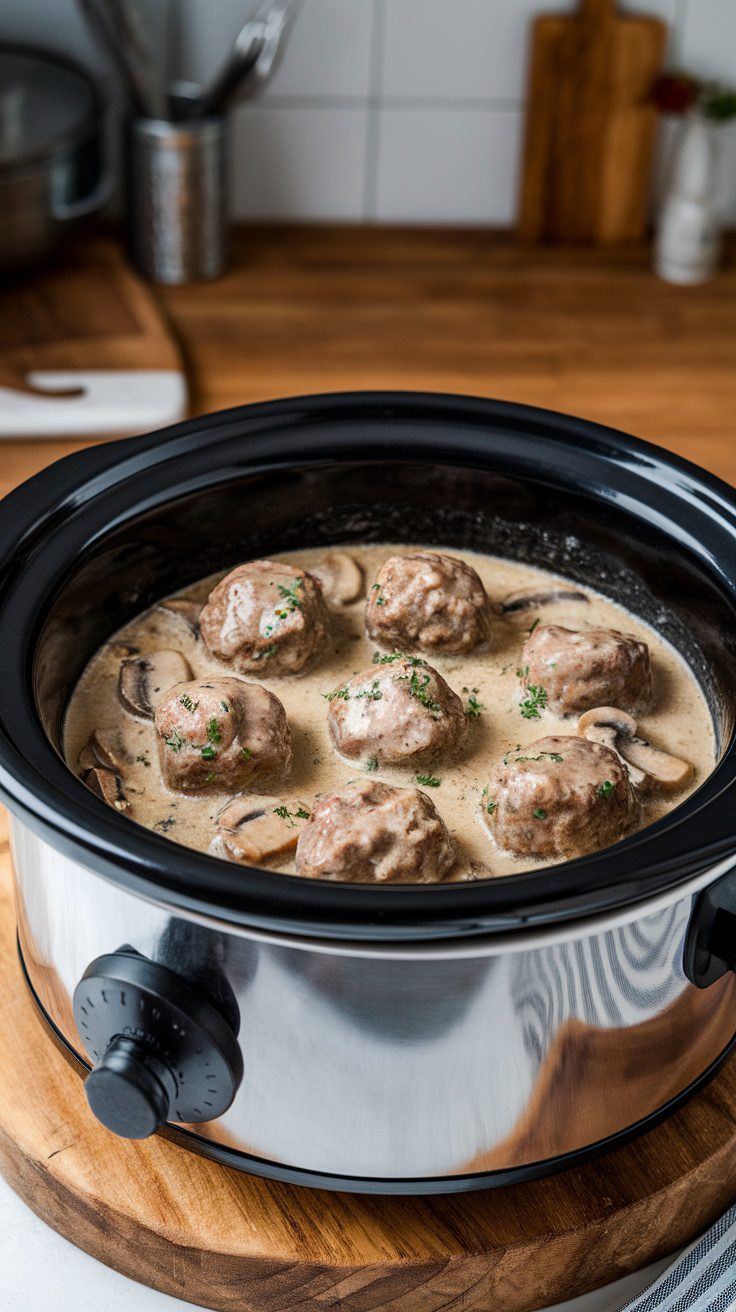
(51, 519)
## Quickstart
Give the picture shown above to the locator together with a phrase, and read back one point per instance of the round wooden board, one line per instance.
(230, 1241)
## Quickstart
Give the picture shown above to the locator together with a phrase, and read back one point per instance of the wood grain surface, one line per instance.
(589, 332)
(590, 125)
(230, 1241)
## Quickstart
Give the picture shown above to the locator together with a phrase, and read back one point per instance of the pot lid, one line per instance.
(46, 103)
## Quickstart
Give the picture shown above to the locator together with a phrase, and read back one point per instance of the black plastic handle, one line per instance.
(710, 945)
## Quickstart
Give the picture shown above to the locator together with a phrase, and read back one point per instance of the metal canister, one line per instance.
(176, 198)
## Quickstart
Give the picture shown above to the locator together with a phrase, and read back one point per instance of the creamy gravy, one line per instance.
(679, 721)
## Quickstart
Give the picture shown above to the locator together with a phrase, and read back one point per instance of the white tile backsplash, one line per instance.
(328, 54)
(388, 110)
(466, 50)
(709, 38)
(291, 160)
(447, 165)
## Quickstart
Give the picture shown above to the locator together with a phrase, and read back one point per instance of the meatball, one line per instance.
(221, 733)
(266, 617)
(424, 601)
(398, 712)
(559, 797)
(590, 667)
(371, 832)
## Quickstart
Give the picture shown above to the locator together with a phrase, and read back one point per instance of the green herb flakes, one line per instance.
(337, 693)
(428, 780)
(606, 789)
(539, 813)
(418, 684)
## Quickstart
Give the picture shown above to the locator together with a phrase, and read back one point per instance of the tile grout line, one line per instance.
(373, 120)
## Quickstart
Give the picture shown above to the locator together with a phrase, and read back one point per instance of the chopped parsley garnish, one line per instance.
(291, 816)
(225, 707)
(381, 658)
(246, 753)
(337, 692)
(373, 693)
(175, 742)
(143, 760)
(208, 753)
(605, 789)
(213, 731)
(188, 704)
(428, 780)
(473, 708)
(380, 600)
(541, 756)
(533, 626)
(533, 701)
(293, 602)
(211, 778)
(164, 825)
(491, 807)
(372, 763)
(539, 813)
(418, 688)
(267, 651)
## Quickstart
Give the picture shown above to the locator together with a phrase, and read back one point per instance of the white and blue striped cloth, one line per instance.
(703, 1279)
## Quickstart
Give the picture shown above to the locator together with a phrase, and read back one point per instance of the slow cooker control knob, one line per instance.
(161, 1050)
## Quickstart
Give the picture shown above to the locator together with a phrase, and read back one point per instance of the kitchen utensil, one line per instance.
(402, 1039)
(117, 27)
(590, 125)
(176, 1221)
(176, 198)
(85, 351)
(52, 171)
(252, 59)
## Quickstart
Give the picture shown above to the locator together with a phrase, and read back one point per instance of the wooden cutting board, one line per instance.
(225, 1240)
(590, 125)
(86, 350)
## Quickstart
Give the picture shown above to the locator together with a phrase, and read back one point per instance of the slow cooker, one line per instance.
(395, 1039)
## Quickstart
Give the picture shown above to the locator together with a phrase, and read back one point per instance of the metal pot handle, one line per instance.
(710, 944)
(65, 210)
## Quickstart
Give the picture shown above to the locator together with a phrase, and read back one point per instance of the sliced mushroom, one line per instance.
(102, 749)
(341, 577)
(145, 681)
(185, 610)
(108, 785)
(516, 601)
(255, 828)
(648, 766)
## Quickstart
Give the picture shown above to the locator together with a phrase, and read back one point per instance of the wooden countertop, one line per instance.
(591, 332)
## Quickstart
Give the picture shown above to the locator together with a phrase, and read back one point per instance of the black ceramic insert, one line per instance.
(93, 540)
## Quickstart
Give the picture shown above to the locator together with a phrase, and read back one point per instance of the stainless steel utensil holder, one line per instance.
(176, 198)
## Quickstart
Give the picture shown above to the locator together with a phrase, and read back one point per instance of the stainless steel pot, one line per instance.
(52, 174)
(402, 1039)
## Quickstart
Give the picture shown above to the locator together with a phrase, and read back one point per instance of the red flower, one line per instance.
(675, 93)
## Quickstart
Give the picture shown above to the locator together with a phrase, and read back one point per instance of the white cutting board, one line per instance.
(85, 351)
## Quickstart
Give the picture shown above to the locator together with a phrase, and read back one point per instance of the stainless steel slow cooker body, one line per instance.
(402, 1039)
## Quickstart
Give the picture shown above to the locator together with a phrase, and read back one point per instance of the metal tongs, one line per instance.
(251, 62)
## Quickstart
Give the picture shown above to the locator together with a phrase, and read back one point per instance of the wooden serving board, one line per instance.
(590, 125)
(230, 1241)
(85, 352)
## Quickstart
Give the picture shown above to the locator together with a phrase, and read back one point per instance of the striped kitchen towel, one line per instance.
(703, 1279)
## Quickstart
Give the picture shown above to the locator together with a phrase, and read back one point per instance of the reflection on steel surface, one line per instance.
(407, 1065)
